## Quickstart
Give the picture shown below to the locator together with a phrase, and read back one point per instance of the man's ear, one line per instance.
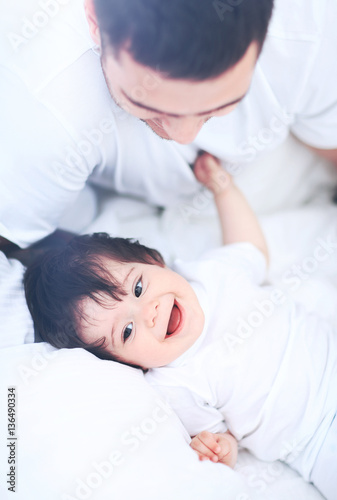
(90, 13)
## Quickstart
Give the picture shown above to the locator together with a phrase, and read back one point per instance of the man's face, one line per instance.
(175, 109)
(157, 320)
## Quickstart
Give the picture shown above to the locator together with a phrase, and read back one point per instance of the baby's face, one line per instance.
(156, 322)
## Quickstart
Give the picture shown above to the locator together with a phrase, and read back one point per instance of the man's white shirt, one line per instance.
(60, 126)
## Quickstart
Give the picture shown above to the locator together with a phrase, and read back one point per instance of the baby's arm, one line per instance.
(238, 221)
(220, 447)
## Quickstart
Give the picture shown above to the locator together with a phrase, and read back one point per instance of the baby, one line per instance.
(238, 361)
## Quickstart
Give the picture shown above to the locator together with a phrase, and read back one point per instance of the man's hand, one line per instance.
(220, 447)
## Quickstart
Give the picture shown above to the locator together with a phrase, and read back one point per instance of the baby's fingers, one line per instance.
(209, 172)
(205, 167)
(206, 446)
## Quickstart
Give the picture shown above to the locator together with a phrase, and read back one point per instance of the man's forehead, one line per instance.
(147, 88)
(179, 115)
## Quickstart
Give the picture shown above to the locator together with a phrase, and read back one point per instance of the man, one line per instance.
(127, 92)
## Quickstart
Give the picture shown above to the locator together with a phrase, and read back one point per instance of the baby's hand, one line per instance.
(221, 447)
(209, 172)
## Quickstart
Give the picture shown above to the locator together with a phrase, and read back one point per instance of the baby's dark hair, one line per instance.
(56, 284)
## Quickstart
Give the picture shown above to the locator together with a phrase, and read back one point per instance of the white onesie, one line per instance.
(263, 367)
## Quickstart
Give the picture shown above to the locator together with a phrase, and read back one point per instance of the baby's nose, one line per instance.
(150, 313)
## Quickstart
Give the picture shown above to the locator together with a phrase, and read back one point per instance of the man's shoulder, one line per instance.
(292, 47)
(298, 19)
(41, 38)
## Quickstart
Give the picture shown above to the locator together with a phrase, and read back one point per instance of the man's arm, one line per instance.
(328, 154)
(238, 221)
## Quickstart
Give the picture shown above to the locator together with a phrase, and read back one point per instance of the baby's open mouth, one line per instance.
(174, 321)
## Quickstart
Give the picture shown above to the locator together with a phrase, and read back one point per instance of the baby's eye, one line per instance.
(127, 331)
(139, 288)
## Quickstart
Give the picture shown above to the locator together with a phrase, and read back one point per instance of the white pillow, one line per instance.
(16, 325)
(93, 429)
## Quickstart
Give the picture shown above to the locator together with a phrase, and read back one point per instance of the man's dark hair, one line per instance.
(56, 283)
(186, 39)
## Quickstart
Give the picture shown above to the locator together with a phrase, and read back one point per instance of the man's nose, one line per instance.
(183, 129)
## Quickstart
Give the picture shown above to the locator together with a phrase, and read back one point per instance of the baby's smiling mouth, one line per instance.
(174, 322)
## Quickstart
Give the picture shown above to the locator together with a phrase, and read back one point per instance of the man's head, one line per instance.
(115, 298)
(175, 64)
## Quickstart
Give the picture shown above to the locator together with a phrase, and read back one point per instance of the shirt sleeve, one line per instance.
(195, 414)
(228, 262)
(316, 115)
(40, 177)
(244, 258)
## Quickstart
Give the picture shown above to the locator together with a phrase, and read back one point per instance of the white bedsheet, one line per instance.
(185, 231)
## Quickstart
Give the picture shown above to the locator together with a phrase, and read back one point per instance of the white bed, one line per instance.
(77, 416)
